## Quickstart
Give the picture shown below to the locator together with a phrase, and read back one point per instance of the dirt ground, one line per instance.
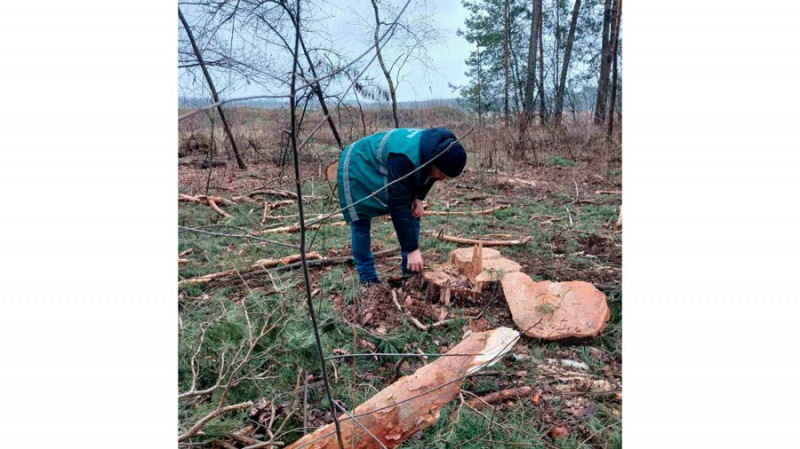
(562, 396)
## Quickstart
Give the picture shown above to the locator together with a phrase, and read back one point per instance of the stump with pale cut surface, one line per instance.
(469, 270)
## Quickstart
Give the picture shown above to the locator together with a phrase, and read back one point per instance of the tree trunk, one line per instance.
(506, 61)
(530, 80)
(318, 91)
(383, 65)
(199, 57)
(614, 76)
(565, 67)
(303, 257)
(605, 65)
(557, 33)
(516, 80)
(542, 113)
(478, 52)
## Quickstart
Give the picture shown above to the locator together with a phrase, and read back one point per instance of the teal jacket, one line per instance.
(377, 160)
(364, 168)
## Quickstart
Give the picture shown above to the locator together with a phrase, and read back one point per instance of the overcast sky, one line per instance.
(349, 25)
(447, 57)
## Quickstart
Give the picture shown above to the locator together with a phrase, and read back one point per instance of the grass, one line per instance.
(216, 313)
(562, 161)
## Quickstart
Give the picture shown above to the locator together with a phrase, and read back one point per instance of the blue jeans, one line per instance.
(361, 244)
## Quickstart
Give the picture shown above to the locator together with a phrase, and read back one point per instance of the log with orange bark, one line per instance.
(413, 402)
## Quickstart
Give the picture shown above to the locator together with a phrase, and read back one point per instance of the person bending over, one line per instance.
(374, 161)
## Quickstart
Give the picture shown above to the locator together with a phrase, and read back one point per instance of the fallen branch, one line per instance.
(498, 236)
(295, 228)
(210, 201)
(497, 396)
(273, 192)
(213, 205)
(295, 216)
(476, 212)
(200, 424)
(477, 197)
(334, 260)
(258, 265)
(522, 181)
(271, 206)
(414, 320)
(467, 241)
(278, 193)
(608, 192)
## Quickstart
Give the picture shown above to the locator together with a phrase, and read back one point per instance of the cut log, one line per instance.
(413, 402)
(468, 241)
(474, 212)
(555, 310)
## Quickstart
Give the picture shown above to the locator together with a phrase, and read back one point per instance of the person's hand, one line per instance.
(417, 208)
(415, 260)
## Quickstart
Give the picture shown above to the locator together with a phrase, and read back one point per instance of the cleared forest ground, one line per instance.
(247, 337)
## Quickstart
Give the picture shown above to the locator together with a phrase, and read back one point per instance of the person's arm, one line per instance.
(422, 190)
(401, 197)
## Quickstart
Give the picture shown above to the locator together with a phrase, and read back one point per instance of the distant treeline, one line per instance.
(582, 101)
(189, 102)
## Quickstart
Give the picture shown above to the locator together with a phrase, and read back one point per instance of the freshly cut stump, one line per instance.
(467, 273)
(401, 409)
(555, 310)
(446, 281)
(482, 265)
